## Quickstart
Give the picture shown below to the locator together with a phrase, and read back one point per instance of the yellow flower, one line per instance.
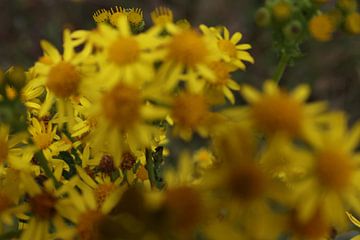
(278, 111)
(187, 56)
(45, 138)
(101, 15)
(125, 56)
(333, 182)
(321, 27)
(352, 23)
(232, 52)
(63, 76)
(115, 13)
(162, 16)
(83, 211)
(282, 10)
(47, 207)
(135, 16)
(223, 82)
(190, 112)
(123, 119)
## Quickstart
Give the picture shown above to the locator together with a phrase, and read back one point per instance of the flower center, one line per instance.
(227, 47)
(189, 110)
(127, 161)
(135, 16)
(4, 150)
(222, 72)
(43, 205)
(43, 140)
(88, 225)
(187, 47)
(281, 11)
(142, 173)
(334, 169)
(115, 14)
(63, 80)
(246, 182)
(107, 164)
(124, 50)
(103, 191)
(121, 106)
(276, 113)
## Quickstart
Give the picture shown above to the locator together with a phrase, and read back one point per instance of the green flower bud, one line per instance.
(292, 30)
(16, 77)
(262, 17)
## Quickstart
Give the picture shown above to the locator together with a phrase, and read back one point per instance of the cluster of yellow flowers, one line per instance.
(296, 19)
(102, 114)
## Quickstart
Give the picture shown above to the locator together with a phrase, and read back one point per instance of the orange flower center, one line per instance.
(63, 80)
(222, 72)
(88, 225)
(189, 110)
(43, 140)
(103, 191)
(188, 48)
(278, 113)
(246, 182)
(334, 169)
(124, 51)
(43, 205)
(227, 47)
(121, 106)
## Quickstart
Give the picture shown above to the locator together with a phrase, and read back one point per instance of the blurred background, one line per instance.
(332, 68)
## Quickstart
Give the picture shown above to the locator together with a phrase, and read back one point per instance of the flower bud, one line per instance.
(262, 17)
(292, 30)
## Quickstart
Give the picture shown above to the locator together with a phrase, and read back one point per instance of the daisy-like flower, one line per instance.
(190, 112)
(63, 75)
(333, 181)
(188, 53)
(46, 139)
(278, 111)
(124, 55)
(102, 187)
(223, 82)
(321, 27)
(242, 187)
(47, 205)
(231, 51)
(124, 119)
(86, 214)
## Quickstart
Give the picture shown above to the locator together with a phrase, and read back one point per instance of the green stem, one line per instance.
(150, 167)
(280, 69)
(44, 165)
